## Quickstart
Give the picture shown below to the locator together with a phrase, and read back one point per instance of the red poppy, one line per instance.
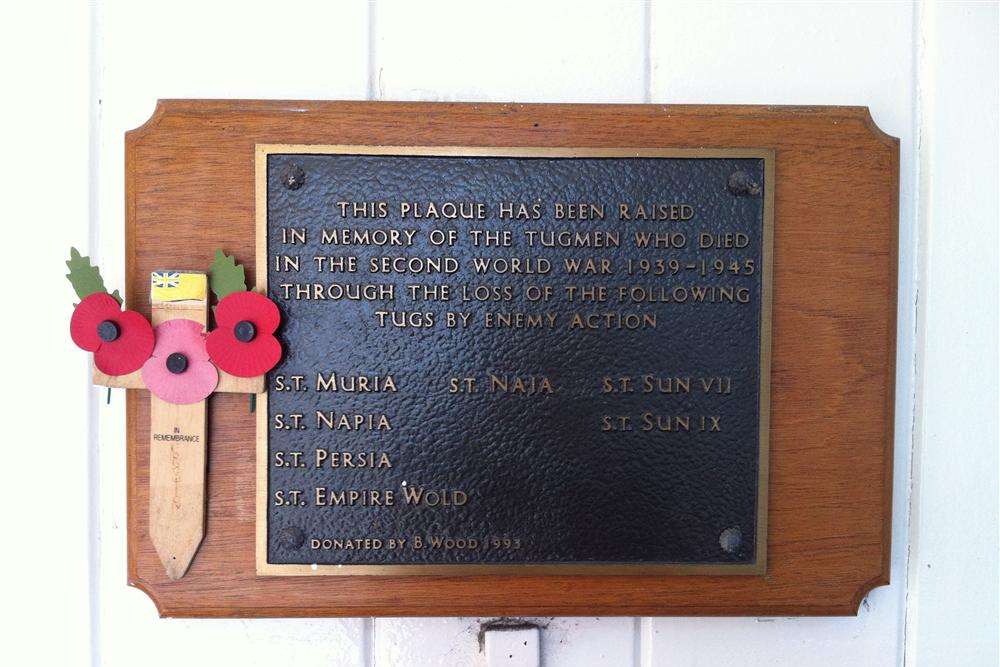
(120, 340)
(243, 342)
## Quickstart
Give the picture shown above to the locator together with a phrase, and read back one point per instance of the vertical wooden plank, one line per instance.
(177, 454)
(952, 615)
(177, 483)
(49, 517)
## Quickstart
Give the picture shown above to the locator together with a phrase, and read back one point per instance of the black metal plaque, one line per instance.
(515, 359)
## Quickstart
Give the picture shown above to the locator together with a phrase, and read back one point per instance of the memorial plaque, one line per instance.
(515, 360)
(531, 362)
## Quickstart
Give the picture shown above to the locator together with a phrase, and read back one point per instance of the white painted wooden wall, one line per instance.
(79, 77)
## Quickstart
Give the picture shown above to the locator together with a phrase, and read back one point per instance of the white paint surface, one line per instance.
(833, 53)
(47, 406)
(953, 582)
(517, 50)
(513, 648)
(929, 74)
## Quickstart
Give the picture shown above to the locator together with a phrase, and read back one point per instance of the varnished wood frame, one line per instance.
(758, 566)
(189, 189)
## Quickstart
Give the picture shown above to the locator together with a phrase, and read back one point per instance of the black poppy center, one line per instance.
(108, 331)
(177, 363)
(244, 331)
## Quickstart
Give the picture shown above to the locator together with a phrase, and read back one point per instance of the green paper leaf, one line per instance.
(226, 276)
(85, 278)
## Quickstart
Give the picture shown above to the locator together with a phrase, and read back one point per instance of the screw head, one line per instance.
(741, 185)
(108, 331)
(177, 363)
(292, 537)
(294, 177)
(730, 540)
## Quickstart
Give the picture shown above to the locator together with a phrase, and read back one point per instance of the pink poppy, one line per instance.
(179, 370)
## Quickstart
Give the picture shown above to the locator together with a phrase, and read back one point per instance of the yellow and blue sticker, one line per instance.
(178, 286)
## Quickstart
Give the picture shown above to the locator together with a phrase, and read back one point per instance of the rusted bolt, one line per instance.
(292, 537)
(741, 185)
(730, 540)
(294, 177)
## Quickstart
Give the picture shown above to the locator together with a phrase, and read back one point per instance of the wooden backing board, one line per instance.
(190, 190)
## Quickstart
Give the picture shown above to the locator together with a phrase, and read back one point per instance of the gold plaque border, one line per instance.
(758, 567)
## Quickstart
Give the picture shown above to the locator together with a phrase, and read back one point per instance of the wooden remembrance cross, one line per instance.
(178, 441)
